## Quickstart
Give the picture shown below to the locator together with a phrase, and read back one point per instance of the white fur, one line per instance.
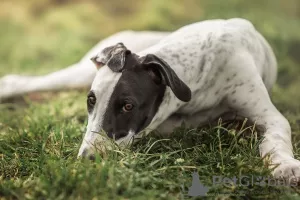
(103, 87)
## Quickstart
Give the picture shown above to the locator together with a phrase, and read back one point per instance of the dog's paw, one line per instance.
(288, 170)
(12, 85)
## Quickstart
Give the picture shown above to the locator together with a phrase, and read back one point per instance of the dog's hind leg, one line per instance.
(74, 76)
(80, 74)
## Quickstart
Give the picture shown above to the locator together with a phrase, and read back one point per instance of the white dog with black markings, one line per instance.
(152, 80)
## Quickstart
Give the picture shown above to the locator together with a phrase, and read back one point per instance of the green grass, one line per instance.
(39, 140)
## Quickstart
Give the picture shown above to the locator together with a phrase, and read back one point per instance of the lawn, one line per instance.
(40, 134)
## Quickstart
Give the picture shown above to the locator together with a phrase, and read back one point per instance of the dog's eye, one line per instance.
(127, 107)
(91, 100)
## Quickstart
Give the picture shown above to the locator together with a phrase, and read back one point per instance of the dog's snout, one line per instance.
(86, 154)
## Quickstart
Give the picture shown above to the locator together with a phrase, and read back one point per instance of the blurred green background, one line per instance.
(40, 36)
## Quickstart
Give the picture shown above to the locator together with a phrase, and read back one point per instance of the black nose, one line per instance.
(92, 157)
(117, 135)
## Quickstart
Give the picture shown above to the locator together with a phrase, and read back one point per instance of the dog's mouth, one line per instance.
(127, 140)
(103, 144)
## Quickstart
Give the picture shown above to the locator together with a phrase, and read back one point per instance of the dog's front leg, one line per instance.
(249, 97)
(252, 101)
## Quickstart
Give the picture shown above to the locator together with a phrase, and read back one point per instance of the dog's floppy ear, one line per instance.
(167, 76)
(97, 61)
(116, 62)
(112, 56)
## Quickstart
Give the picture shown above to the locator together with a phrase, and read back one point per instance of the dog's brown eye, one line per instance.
(92, 100)
(127, 107)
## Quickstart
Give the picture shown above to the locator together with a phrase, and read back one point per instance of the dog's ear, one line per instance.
(96, 60)
(116, 62)
(163, 73)
(113, 56)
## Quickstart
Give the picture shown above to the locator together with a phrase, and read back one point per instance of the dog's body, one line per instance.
(216, 59)
(229, 68)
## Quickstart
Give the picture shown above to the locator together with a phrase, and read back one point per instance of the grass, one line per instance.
(39, 140)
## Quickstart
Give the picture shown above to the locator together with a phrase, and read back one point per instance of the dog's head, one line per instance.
(126, 94)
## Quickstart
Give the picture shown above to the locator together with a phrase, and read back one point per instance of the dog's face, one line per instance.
(125, 95)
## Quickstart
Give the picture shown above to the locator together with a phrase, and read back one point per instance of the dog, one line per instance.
(194, 75)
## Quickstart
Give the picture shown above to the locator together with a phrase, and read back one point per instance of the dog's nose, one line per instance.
(86, 154)
(92, 157)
